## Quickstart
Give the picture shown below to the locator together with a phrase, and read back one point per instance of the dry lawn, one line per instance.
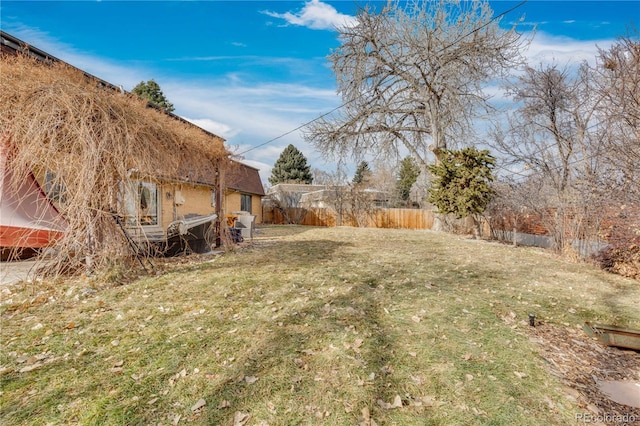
(332, 326)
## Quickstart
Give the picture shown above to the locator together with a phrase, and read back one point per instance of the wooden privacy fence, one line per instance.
(379, 218)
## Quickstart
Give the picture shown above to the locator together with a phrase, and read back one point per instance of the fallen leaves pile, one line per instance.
(581, 362)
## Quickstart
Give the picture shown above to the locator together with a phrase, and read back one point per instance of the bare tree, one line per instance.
(555, 135)
(321, 177)
(384, 179)
(420, 190)
(288, 204)
(618, 83)
(412, 75)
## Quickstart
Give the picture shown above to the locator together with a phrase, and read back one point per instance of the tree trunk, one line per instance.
(438, 222)
(477, 233)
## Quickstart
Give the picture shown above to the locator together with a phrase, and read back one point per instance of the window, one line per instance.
(214, 199)
(245, 203)
(141, 203)
(54, 188)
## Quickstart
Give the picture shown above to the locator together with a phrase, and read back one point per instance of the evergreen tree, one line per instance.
(151, 91)
(462, 183)
(363, 173)
(291, 167)
(407, 176)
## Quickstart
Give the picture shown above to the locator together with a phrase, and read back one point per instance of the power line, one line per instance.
(350, 101)
(293, 130)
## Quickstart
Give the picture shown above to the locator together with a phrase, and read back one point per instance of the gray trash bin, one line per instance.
(245, 223)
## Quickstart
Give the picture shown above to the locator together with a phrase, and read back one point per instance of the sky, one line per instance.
(254, 71)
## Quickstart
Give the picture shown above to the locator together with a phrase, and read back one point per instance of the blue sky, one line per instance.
(251, 71)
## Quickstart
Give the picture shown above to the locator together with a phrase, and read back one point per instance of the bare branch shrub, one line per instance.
(618, 84)
(288, 204)
(554, 136)
(56, 119)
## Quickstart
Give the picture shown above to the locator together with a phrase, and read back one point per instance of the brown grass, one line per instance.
(308, 326)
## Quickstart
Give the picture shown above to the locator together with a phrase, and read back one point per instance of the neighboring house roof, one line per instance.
(331, 193)
(243, 178)
(320, 195)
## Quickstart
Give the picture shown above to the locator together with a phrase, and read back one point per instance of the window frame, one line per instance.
(244, 199)
(132, 204)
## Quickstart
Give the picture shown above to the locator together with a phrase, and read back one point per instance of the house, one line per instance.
(121, 172)
(289, 194)
(322, 205)
(332, 196)
(243, 190)
(175, 214)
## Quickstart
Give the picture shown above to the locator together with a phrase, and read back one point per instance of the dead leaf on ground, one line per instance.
(240, 419)
(509, 318)
(397, 403)
(250, 379)
(198, 405)
(31, 367)
(520, 375)
(366, 419)
(176, 419)
(386, 369)
(417, 379)
(224, 404)
(428, 401)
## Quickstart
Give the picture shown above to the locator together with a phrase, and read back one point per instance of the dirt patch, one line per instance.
(581, 362)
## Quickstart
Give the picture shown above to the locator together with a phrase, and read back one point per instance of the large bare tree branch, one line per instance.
(412, 75)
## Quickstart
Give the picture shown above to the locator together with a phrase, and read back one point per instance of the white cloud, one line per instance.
(546, 49)
(316, 15)
(264, 169)
(214, 127)
(248, 115)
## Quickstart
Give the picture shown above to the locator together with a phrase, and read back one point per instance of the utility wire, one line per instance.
(293, 130)
(475, 30)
